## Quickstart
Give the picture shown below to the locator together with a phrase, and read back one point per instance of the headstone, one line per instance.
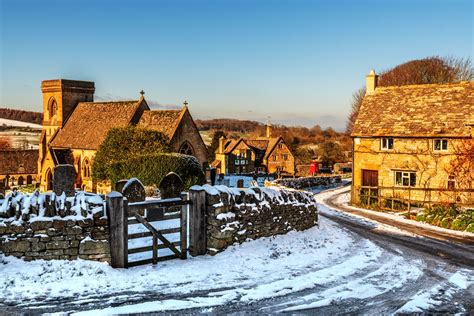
(120, 184)
(213, 176)
(171, 186)
(133, 190)
(240, 183)
(64, 177)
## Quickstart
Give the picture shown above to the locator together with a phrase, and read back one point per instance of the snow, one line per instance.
(345, 198)
(19, 123)
(320, 266)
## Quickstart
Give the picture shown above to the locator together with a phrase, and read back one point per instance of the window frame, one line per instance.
(409, 176)
(387, 140)
(441, 141)
(451, 183)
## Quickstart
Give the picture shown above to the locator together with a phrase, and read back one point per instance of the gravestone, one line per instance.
(133, 190)
(64, 177)
(240, 183)
(171, 186)
(213, 176)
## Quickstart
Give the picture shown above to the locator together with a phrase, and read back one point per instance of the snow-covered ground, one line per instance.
(18, 123)
(326, 268)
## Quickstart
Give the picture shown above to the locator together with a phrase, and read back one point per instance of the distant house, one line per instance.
(74, 127)
(18, 167)
(254, 155)
(409, 141)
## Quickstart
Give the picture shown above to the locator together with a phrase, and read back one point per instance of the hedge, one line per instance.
(448, 217)
(151, 169)
(123, 143)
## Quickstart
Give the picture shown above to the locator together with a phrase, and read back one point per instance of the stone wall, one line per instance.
(45, 226)
(306, 182)
(235, 215)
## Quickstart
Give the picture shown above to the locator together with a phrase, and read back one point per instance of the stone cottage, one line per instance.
(18, 167)
(254, 155)
(74, 126)
(412, 141)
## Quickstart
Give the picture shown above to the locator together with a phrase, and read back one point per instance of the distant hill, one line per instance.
(22, 116)
(228, 125)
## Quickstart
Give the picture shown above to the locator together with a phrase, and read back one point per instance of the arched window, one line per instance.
(186, 149)
(52, 107)
(29, 179)
(21, 180)
(49, 180)
(87, 168)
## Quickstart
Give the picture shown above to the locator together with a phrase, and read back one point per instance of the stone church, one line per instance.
(74, 126)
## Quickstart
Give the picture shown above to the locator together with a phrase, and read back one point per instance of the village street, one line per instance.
(328, 269)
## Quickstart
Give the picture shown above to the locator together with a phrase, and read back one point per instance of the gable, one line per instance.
(164, 121)
(417, 111)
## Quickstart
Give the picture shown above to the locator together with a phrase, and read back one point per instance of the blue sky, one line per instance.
(295, 61)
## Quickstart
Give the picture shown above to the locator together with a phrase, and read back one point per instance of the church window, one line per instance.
(186, 149)
(87, 169)
(52, 107)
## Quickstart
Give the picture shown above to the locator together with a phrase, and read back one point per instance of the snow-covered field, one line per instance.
(18, 123)
(321, 268)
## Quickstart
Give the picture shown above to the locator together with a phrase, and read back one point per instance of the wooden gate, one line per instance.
(147, 215)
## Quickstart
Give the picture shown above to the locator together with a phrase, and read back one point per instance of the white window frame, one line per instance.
(237, 162)
(443, 141)
(386, 140)
(404, 175)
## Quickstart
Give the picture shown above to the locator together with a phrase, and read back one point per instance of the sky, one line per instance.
(297, 62)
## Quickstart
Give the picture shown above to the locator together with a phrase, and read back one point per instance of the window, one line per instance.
(285, 157)
(451, 182)
(280, 169)
(237, 162)
(52, 107)
(405, 178)
(440, 144)
(274, 157)
(87, 169)
(280, 145)
(386, 143)
(186, 149)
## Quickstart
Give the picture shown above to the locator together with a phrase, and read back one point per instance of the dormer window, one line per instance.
(440, 144)
(386, 143)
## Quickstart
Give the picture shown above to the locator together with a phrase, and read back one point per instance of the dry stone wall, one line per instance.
(306, 182)
(46, 226)
(236, 215)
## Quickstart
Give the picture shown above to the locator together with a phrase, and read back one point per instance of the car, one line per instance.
(325, 170)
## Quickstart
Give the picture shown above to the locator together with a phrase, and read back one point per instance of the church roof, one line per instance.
(164, 121)
(90, 122)
(430, 110)
(19, 161)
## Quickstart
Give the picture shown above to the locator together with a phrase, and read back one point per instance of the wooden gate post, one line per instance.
(118, 229)
(184, 227)
(197, 223)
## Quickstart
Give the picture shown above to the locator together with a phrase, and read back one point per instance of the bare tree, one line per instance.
(357, 98)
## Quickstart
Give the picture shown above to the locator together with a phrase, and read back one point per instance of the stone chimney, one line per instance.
(371, 82)
(221, 144)
(268, 130)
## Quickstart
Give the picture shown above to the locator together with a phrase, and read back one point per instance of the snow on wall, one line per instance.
(306, 182)
(236, 215)
(46, 226)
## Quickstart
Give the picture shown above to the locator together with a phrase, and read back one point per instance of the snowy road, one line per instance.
(325, 270)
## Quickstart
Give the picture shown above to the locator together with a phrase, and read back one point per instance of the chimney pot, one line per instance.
(371, 82)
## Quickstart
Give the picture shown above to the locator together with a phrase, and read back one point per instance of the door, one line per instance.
(370, 178)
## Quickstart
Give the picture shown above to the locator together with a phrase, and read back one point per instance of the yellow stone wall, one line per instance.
(409, 154)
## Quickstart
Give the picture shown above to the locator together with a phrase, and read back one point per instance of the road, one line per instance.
(345, 266)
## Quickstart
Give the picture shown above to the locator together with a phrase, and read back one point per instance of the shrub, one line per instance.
(124, 143)
(470, 228)
(151, 169)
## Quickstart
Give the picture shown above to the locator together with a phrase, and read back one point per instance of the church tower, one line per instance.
(60, 98)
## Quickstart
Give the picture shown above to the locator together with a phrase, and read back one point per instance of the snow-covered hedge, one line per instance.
(236, 215)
